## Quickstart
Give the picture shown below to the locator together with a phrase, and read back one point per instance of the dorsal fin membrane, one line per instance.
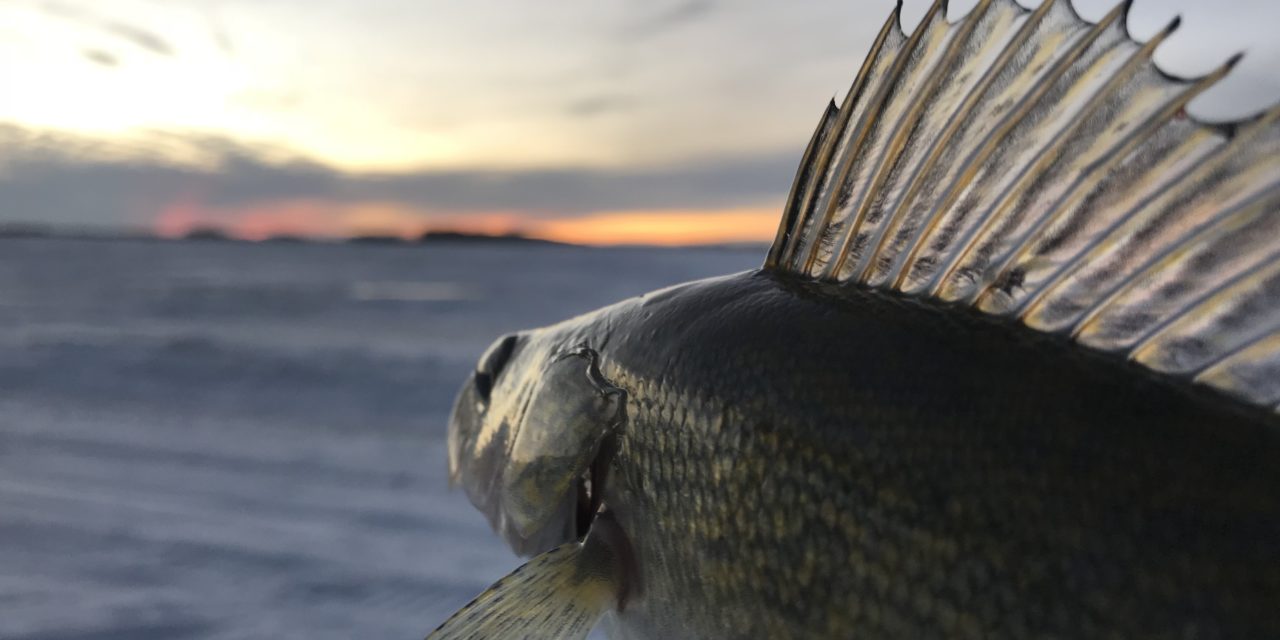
(1036, 166)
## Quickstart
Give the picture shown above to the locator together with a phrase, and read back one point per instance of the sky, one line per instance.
(599, 121)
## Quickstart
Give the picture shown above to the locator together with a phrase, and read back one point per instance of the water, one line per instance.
(217, 441)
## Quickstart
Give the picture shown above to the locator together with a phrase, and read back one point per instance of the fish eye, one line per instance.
(491, 365)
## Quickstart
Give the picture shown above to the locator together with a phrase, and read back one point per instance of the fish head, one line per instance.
(527, 430)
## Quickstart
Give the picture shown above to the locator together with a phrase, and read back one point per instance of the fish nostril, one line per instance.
(497, 355)
(491, 365)
(483, 382)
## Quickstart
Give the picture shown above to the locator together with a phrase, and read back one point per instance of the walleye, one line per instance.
(1010, 370)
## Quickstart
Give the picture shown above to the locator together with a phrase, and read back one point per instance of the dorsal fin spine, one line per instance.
(836, 184)
(975, 159)
(1112, 157)
(801, 184)
(972, 99)
(1263, 334)
(804, 208)
(1048, 152)
(1205, 167)
(1269, 265)
(902, 130)
(1071, 264)
(955, 120)
(1255, 205)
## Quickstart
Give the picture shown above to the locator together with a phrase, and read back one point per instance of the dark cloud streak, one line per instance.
(676, 16)
(138, 36)
(596, 105)
(50, 179)
(100, 57)
(221, 36)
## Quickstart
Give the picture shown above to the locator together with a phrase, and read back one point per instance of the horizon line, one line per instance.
(213, 233)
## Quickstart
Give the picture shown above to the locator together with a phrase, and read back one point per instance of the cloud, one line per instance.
(673, 17)
(61, 179)
(100, 57)
(599, 105)
(718, 182)
(220, 35)
(138, 36)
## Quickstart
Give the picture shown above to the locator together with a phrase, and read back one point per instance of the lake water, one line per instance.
(223, 440)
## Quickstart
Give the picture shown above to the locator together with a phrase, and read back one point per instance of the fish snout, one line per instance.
(478, 436)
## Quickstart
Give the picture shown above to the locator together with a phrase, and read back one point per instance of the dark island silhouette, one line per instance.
(468, 237)
(216, 234)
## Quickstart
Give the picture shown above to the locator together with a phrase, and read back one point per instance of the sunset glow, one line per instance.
(664, 227)
(304, 218)
(315, 219)
(671, 122)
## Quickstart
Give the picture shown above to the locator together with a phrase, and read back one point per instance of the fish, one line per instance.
(1010, 369)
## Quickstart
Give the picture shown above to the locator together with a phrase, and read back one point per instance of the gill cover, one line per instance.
(522, 446)
(572, 411)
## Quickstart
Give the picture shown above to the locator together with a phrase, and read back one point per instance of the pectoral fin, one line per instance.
(557, 595)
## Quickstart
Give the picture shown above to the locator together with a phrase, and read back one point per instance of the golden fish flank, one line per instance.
(1010, 370)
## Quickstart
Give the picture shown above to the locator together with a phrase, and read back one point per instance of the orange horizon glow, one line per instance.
(328, 220)
(664, 228)
(303, 217)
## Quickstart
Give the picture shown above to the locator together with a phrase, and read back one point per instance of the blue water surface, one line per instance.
(225, 440)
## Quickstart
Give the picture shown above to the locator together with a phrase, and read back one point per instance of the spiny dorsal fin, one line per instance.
(1036, 166)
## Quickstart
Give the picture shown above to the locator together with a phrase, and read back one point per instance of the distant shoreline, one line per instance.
(211, 234)
(430, 238)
